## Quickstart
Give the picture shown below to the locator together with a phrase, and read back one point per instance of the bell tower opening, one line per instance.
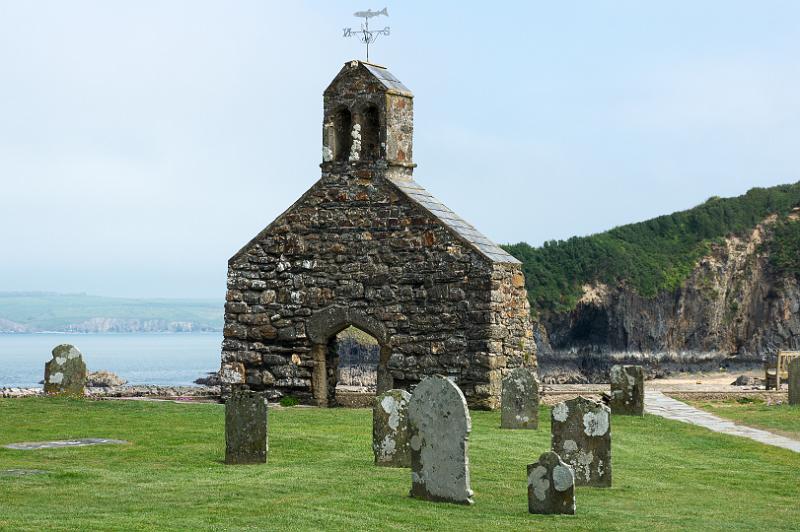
(371, 134)
(342, 125)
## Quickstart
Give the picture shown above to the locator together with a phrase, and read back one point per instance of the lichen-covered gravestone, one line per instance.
(390, 434)
(65, 373)
(439, 424)
(245, 427)
(794, 382)
(519, 400)
(551, 486)
(581, 435)
(627, 390)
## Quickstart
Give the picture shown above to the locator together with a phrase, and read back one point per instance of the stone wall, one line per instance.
(360, 244)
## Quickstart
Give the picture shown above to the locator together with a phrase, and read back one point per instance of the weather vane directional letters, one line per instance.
(366, 35)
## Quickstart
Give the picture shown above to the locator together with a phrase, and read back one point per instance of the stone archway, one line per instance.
(327, 323)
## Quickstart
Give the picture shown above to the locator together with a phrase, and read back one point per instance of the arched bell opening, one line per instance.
(370, 134)
(342, 128)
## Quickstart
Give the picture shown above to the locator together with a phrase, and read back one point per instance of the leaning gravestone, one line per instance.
(627, 390)
(551, 486)
(794, 382)
(390, 438)
(439, 425)
(65, 373)
(245, 427)
(519, 400)
(581, 435)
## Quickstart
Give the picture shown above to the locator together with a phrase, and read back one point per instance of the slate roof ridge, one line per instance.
(381, 74)
(463, 229)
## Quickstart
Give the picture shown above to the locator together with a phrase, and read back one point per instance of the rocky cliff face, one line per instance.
(733, 308)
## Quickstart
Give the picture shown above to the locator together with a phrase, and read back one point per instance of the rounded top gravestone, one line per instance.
(551, 486)
(440, 425)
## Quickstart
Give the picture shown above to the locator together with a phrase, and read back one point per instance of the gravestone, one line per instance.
(519, 400)
(390, 434)
(439, 425)
(794, 382)
(65, 373)
(581, 435)
(551, 486)
(245, 427)
(627, 390)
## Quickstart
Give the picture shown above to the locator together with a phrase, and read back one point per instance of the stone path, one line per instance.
(660, 405)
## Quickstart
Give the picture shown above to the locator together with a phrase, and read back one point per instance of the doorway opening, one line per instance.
(355, 355)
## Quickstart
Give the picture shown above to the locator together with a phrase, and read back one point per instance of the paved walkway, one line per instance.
(659, 404)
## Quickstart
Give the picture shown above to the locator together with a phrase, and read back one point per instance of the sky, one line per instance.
(143, 143)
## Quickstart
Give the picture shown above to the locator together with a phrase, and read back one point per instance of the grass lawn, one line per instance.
(780, 419)
(667, 475)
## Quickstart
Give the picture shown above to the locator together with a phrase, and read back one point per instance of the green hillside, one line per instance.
(42, 311)
(657, 254)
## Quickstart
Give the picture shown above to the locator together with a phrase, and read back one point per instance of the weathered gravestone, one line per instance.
(390, 434)
(551, 486)
(794, 382)
(581, 435)
(439, 425)
(65, 373)
(519, 400)
(245, 427)
(627, 390)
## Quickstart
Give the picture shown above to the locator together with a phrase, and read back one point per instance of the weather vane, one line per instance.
(366, 35)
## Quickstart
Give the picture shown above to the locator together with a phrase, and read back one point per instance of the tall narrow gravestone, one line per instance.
(581, 435)
(440, 425)
(627, 390)
(245, 427)
(519, 400)
(65, 373)
(794, 382)
(390, 438)
(551, 486)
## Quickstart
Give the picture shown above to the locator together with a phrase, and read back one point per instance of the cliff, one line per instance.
(722, 301)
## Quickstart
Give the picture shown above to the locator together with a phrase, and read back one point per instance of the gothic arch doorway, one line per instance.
(323, 328)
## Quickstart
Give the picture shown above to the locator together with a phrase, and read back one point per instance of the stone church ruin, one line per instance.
(368, 247)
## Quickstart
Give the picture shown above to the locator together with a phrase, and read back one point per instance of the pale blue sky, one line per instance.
(142, 143)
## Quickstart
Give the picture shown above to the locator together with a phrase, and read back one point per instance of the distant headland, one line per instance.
(31, 312)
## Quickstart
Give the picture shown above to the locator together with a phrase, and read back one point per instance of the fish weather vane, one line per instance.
(366, 35)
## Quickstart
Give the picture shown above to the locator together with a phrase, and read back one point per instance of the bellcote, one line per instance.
(368, 118)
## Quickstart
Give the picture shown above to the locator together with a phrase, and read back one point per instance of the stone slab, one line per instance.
(551, 486)
(65, 373)
(21, 472)
(794, 382)
(519, 400)
(245, 427)
(83, 442)
(390, 431)
(581, 436)
(440, 425)
(627, 390)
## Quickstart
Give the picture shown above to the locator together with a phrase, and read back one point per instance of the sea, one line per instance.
(167, 359)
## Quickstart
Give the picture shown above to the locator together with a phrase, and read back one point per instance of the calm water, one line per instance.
(166, 359)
